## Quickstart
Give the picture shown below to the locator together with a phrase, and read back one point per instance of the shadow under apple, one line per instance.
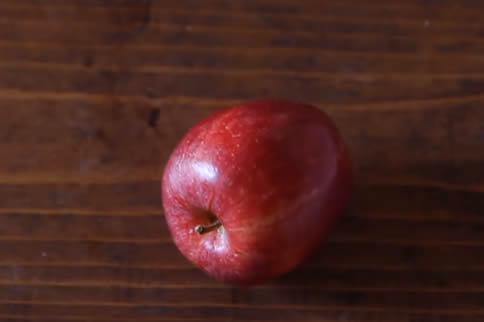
(398, 249)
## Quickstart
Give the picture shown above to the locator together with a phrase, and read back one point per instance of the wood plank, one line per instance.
(80, 252)
(122, 198)
(410, 257)
(448, 10)
(135, 229)
(297, 298)
(212, 36)
(337, 90)
(154, 313)
(378, 64)
(361, 255)
(269, 21)
(335, 279)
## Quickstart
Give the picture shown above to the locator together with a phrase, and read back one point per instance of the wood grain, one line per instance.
(95, 94)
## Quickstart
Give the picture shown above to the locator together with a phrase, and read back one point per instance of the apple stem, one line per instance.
(205, 229)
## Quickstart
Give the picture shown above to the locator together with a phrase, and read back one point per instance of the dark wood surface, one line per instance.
(95, 94)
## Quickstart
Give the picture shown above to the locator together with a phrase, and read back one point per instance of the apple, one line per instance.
(252, 190)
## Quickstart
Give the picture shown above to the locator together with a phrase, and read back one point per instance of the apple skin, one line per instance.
(275, 174)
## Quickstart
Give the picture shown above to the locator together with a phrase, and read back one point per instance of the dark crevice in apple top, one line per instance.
(213, 224)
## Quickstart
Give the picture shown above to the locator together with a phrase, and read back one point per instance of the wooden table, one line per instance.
(95, 94)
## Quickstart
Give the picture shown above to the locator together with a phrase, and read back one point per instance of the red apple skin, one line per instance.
(275, 173)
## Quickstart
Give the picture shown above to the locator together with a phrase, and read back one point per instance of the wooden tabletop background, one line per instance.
(95, 94)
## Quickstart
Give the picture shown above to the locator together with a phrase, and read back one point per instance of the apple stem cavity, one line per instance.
(205, 229)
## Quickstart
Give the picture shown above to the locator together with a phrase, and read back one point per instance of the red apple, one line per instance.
(251, 190)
